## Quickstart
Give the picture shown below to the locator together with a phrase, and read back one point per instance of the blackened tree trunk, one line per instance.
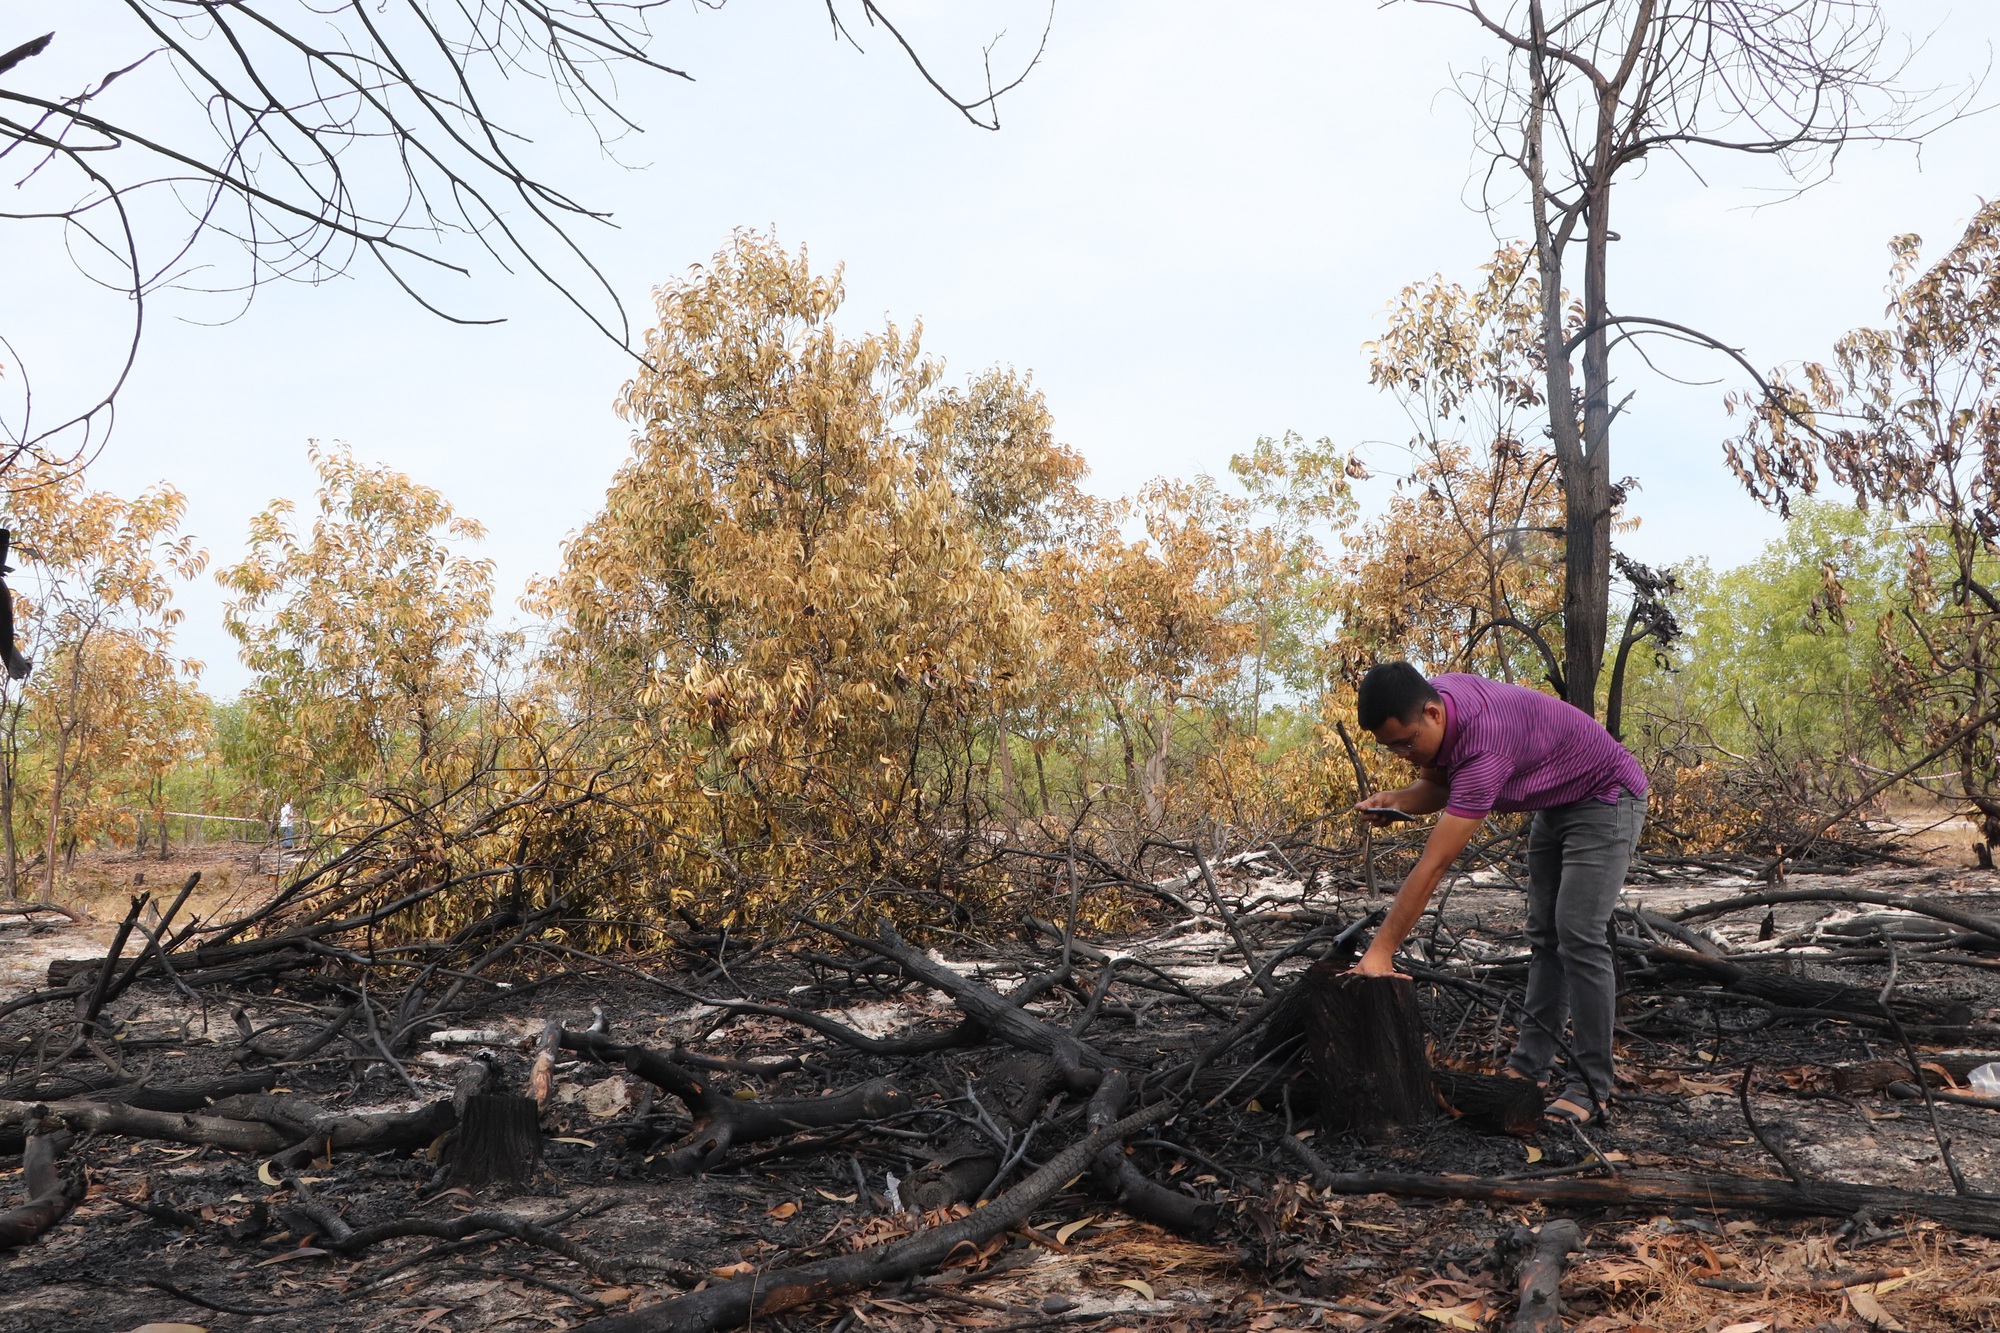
(1592, 92)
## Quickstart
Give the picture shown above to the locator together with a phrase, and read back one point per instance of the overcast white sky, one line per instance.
(1191, 220)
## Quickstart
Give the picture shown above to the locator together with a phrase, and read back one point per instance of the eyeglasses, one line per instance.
(1405, 746)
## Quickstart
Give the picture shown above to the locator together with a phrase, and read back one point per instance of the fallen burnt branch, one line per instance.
(1540, 1280)
(116, 1118)
(1079, 1064)
(721, 1121)
(729, 1304)
(1975, 922)
(966, 1033)
(51, 1196)
(1006, 1103)
(1145, 1199)
(1978, 1215)
(110, 1086)
(473, 1224)
(378, 1131)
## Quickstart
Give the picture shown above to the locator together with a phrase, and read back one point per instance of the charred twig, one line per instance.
(1771, 1146)
(381, 1046)
(101, 989)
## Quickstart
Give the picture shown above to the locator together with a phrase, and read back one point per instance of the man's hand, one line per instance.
(1377, 963)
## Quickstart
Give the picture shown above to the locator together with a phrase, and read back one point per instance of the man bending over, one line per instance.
(1480, 746)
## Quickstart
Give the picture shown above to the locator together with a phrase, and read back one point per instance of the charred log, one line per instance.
(1973, 1214)
(1491, 1103)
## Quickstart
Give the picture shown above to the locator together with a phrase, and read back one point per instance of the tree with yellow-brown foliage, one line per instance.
(108, 695)
(793, 618)
(1462, 567)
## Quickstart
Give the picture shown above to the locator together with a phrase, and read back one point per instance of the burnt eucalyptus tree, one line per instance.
(1585, 91)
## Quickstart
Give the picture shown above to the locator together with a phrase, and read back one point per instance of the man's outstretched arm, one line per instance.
(1448, 838)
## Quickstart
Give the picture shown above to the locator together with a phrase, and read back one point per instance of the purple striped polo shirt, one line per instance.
(1507, 747)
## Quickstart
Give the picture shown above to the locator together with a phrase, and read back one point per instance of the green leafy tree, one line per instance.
(1906, 416)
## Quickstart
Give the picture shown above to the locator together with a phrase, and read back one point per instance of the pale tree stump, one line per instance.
(1366, 1042)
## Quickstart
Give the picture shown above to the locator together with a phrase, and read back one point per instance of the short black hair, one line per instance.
(1392, 689)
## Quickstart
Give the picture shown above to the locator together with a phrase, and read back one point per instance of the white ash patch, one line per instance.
(606, 1099)
(963, 969)
(26, 954)
(439, 1059)
(883, 1018)
(1273, 892)
(1202, 974)
(1161, 947)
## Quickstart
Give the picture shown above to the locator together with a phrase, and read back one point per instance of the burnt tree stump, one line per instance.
(1366, 1042)
(499, 1141)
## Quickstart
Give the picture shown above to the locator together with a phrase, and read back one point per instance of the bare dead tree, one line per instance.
(1583, 94)
(218, 145)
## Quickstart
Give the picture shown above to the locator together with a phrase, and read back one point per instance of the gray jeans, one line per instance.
(1577, 855)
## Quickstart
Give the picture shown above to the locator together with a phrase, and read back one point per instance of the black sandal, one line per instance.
(1574, 1108)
